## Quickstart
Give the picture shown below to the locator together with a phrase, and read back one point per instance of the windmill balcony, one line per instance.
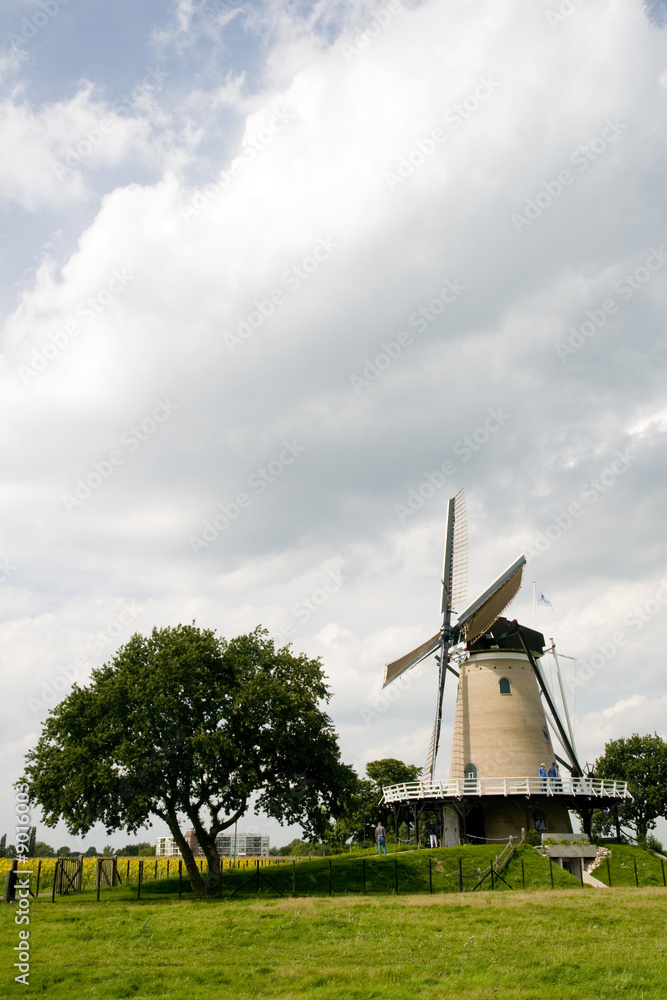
(603, 788)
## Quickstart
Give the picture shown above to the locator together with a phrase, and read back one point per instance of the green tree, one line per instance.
(388, 771)
(3, 845)
(43, 850)
(363, 802)
(187, 726)
(108, 851)
(642, 762)
(32, 835)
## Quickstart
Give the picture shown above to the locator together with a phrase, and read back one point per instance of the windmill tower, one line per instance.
(501, 734)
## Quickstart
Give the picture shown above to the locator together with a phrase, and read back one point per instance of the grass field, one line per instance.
(543, 945)
(538, 944)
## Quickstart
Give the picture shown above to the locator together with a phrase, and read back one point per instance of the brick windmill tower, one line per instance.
(501, 735)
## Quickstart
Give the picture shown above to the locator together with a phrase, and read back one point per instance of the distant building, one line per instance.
(248, 845)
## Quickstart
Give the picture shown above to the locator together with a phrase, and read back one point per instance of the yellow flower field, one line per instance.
(127, 868)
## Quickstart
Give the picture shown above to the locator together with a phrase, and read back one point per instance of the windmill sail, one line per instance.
(455, 569)
(398, 667)
(480, 616)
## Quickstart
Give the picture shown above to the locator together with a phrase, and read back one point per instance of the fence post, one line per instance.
(180, 878)
(492, 883)
(98, 876)
(430, 876)
(10, 882)
(294, 877)
(608, 873)
(139, 875)
(396, 875)
(663, 871)
(39, 872)
(155, 879)
(168, 859)
(257, 877)
(127, 873)
(634, 861)
(53, 887)
(460, 875)
(330, 886)
(363, 875)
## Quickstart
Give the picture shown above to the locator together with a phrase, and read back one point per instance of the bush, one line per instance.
(653, 844)
(534, 838)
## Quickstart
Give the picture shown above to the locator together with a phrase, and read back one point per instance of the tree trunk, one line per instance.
(642, 828)
(206, 841)
(196, 881)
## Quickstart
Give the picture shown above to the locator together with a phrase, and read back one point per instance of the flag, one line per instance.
(544, 601)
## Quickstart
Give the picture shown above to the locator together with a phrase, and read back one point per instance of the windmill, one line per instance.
(451, 640)
(500, 728)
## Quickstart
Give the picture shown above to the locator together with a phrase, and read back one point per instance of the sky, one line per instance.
(279, 279)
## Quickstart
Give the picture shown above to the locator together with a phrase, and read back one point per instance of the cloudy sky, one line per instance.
(280, 278)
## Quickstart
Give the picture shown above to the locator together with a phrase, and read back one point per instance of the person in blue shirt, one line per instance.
(543, 776)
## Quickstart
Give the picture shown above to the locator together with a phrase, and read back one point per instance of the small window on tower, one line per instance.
(546, 733)
(505, 687)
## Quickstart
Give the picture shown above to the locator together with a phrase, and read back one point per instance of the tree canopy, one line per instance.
(187, 726)
(642, 762)
(363, 801)
(390, 771)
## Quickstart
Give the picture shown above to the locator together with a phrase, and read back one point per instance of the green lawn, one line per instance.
(539, 945)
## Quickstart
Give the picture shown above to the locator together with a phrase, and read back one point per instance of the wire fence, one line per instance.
(404, 872)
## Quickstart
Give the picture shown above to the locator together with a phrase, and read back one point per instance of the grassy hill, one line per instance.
(351, 875)
(622, 867)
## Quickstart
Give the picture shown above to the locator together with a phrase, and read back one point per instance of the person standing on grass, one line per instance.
(432, 833)
(381, 838)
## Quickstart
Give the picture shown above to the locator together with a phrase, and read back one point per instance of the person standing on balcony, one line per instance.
(543, 776)
(553, 774)
(576, 774)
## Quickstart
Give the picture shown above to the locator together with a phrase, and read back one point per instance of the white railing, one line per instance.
(596, 787)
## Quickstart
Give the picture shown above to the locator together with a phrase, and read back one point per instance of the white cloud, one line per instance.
(47, 151)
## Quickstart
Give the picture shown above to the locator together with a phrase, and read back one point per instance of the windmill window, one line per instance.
(540, 820)
(505, 687)
(470, 783)
(546, 733)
